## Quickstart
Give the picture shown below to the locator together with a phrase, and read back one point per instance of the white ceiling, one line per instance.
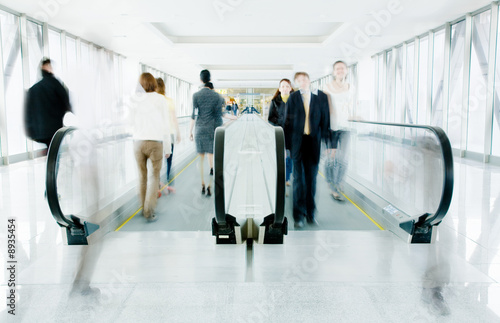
(245, 43)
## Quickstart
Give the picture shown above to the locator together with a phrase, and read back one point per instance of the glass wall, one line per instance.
(97, 79)
(437, 78)
(444, 52)
(390, 87)
(13, 83)
(55, 51)
(495, 147)
(410, 109)
(423, 67)
(478, 81)
(398, 86)
(454, 128)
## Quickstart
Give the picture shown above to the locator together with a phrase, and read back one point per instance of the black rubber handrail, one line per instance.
(51, 179)
(219, 190)
(447, 154)
(220, 211)
(280, 175)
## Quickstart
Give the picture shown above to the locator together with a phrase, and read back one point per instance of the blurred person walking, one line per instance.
(341, 98)
(45, 106)
(208, 104)
(307, 122)
(149, 117)
(235, 108)
(277, 116)
(175, 133)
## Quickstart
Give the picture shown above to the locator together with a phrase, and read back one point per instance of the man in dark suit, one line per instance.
(46, 104)
(307, 122)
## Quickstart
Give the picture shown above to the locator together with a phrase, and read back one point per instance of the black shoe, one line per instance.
(312, 221)
(208, 192)
(203, 189)
(211, 171)
(299, 224)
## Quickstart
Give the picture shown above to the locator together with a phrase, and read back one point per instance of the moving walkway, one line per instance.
(400, 178)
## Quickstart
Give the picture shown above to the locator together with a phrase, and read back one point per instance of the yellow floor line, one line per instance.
(132, 216)
(362, 211)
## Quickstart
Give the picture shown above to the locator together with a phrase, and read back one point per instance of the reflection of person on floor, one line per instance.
(46, 104)
(341, 99)
(437, 273)
(149, 117)
(209, 105)
(175, 133)
(307, 122)
(277, 116)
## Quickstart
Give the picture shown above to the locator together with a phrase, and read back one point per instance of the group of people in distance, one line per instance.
(308, 117)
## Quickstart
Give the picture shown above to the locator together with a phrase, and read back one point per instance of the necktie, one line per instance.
(306, 97)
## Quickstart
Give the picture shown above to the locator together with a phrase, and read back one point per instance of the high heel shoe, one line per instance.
(202, 188)
(208, 191)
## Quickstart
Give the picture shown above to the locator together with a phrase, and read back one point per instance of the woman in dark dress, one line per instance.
(209, 105)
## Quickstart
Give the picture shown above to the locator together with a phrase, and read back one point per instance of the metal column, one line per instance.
(466, 85)
(446, 76)
(491, 93)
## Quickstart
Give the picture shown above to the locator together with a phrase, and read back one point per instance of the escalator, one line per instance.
(399, 178)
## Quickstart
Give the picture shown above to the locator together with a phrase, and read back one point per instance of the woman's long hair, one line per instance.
(161, 86)
(278, 93)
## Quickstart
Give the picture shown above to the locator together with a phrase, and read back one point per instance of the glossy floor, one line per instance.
(316, 276)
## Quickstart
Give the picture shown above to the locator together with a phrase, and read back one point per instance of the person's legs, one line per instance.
(211, 160)
(299, 209)
(340, 165)
(310, 174)
(202, 161)
(143, 171)
(329, 166)
(288, 166)
(211, 163)
(155, 153)
(169, 164)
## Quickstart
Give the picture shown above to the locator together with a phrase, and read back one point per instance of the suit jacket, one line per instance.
(46, 103)
(319, 121)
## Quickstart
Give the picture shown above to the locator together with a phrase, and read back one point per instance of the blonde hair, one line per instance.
(161, 86)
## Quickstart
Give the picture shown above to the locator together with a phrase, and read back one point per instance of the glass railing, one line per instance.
(410, 167)
(249, 177)
(92, 177)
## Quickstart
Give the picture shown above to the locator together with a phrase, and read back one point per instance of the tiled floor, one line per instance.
(316, 276)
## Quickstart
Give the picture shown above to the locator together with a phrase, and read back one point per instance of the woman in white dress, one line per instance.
(342, 97)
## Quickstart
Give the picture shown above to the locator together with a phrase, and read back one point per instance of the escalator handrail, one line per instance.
(219, 142)
(51, 178)
(447, 154)
(219, 190)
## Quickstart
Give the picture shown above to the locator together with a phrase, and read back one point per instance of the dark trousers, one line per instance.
(288, 165)
(169, 163)
(305, 171)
